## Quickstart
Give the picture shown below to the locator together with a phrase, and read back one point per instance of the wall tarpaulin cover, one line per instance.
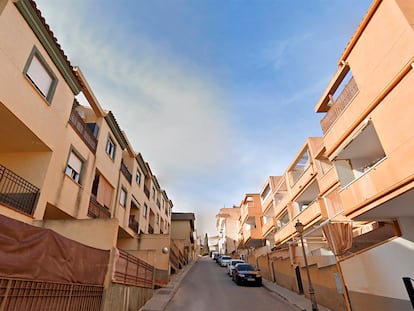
(29, 252)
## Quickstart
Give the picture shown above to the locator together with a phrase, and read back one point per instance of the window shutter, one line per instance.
(75, 163)
(39, 75)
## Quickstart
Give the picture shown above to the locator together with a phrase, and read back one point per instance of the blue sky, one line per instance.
(216, 94)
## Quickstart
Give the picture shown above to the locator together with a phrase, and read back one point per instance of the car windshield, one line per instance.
(225, 257)
(235, 262)
(241, 267)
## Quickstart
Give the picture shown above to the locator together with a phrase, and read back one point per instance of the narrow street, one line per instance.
(208, 287)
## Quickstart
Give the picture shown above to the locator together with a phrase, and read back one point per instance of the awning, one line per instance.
(339, 236)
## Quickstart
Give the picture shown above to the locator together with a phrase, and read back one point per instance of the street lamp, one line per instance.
(299, 229)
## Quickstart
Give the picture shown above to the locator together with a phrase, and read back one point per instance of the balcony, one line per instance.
(268, 226)
(285, 233)
(133, 224)
(82, 130)
(96, 210)
(16, 192)
(316, 209)
(146, 191)
(339, 105)
(127, 174)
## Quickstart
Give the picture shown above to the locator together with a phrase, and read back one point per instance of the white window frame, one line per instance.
(123, 196)
(74, 166)
(40, 75)
(138, 177)
(110, 147)
(145, 212)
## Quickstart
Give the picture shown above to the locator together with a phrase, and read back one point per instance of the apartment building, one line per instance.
(367, 132)
(267, 197)
(250, 229)
(351, 188)
(227, 224)
(182, 234)
(66, 165)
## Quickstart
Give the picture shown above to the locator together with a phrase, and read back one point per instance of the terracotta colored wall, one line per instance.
(263, 265)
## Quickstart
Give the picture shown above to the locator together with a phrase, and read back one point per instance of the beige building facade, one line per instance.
(351, 189)
(183, 234)
(228, 226)
(65, 163)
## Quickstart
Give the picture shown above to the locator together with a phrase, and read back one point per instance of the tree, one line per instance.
(205, 250)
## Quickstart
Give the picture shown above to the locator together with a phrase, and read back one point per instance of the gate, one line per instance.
(23, 295)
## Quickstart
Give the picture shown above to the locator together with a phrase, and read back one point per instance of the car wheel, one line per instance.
(238, 281)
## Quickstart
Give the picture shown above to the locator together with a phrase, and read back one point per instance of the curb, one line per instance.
(163, 296)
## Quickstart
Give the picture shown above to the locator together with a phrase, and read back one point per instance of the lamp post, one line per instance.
(299, 229)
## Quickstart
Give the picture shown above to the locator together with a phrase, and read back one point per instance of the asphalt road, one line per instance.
(207, 287)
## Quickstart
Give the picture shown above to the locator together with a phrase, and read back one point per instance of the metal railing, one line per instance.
(83, 130)
(344, 98)
(133, 224)
(97, 210)
(22, 295)
(16, 192)
(131, 270)
(150, 229)
(146, 191)
(126, 172)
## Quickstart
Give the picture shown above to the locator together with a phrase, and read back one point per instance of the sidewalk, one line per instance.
(299, 301)
(162, 296)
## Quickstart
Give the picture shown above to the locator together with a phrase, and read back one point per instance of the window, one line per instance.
(138, 177)
(145, 212)
(110, 147)
(153, 193)
(41, 76)
(282, 221)
(123, 197)
(265, 193)
(94, 129)
(157, 219)
(74, 166)
(362, 153)
(300, 166)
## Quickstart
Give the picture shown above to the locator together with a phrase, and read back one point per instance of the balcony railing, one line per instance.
(83, 130)
(131, 270)
(97, 210)
(133, 224)
(344, 98)
(17, 192)
(126, 172)
(146, 191)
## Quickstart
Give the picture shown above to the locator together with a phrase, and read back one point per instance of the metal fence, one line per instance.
(17, 192)
(131, 270)
(23, 295)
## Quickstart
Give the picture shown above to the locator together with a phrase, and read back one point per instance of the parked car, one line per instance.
(217, 258)
(224, 261)
(245, 273)
(232, 264)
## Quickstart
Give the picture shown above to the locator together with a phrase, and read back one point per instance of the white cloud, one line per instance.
(278, 53)
(170, 112)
